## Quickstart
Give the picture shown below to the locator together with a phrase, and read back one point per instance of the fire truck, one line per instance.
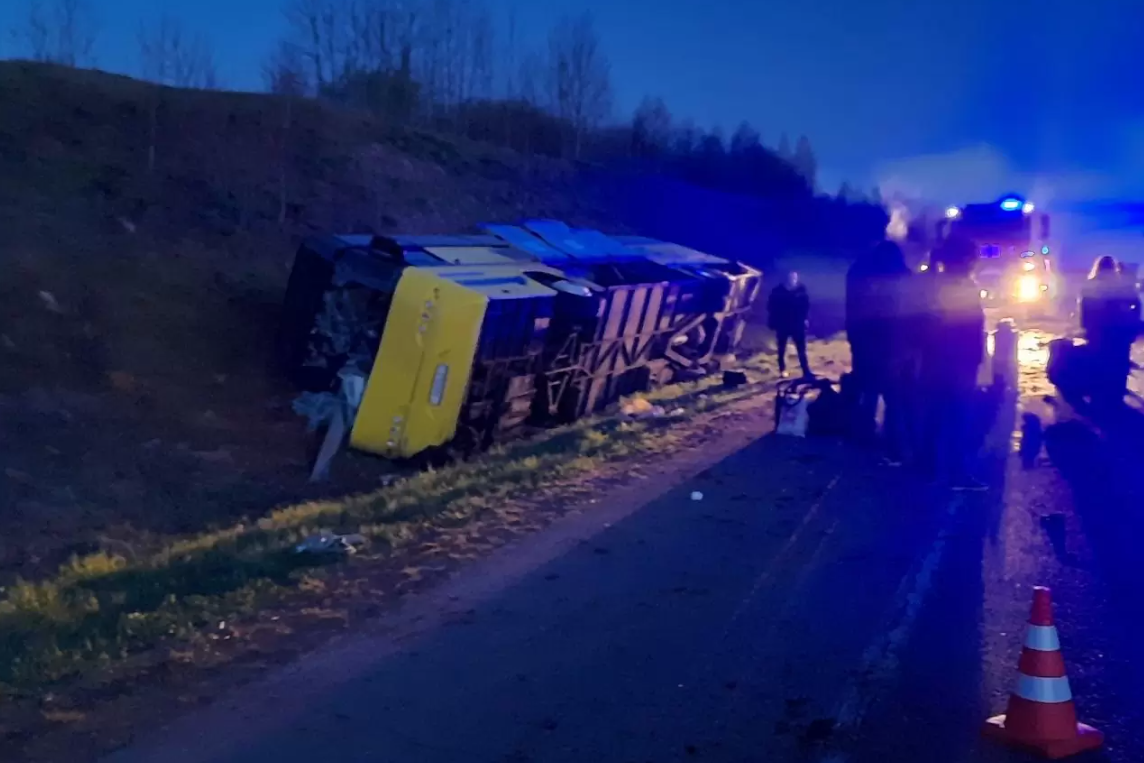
(1014, 267)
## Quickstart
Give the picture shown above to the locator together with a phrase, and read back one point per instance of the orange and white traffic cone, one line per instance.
(1041, 716)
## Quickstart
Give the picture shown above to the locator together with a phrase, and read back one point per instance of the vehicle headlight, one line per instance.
(1028, 289)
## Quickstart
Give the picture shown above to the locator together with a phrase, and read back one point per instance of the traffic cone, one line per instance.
(1041, 717)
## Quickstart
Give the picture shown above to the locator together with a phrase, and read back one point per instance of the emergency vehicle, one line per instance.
(1014, 267)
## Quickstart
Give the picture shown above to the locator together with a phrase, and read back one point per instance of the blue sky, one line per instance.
(971, 97)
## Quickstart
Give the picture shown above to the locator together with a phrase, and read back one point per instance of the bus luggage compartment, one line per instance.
(606, 346)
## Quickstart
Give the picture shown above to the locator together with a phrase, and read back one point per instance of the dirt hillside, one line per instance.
(148, 234)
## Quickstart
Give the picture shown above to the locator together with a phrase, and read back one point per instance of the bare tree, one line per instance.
(480, 60)
(579, 86)
(321, 30)
(60, 32)
(285, 76)
(510, 62)
(169, 55)
(651, 128)
(284, 71)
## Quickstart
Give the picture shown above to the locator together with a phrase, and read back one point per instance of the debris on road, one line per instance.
(640, 408)
(50, 302)
(328, 543)
(697, 496)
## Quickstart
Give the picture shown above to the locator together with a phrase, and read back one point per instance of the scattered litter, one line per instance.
(219, 456)
(330, 543)
(640, 408)
(691, 375)
(677, 412)
(50, 302)
(697, 496)
(18, 476)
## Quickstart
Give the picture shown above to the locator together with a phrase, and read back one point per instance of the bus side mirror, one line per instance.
(1045, 227)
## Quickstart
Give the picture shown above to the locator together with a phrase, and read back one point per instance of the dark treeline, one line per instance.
(451, 66)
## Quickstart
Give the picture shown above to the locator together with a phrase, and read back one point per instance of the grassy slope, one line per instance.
(106, 605)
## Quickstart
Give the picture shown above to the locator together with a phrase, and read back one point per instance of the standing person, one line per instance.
(953, 351)
(880, 326)
(788, 315)
(1110, 317)
(869, 328)
(903, 356)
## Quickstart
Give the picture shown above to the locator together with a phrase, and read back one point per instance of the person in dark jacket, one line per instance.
(873, 297)
(788, 315)
(1110, 317)
(954, 349)
(881, 319)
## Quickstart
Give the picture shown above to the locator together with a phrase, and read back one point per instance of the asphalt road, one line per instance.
(813, 606)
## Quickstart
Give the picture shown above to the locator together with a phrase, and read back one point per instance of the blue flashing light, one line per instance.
(1011, 204)
(1044, 250)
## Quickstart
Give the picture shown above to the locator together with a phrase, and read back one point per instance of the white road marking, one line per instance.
(880, 660)
(780, 556)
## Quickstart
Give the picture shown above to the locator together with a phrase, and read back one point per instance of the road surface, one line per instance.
(812, 606)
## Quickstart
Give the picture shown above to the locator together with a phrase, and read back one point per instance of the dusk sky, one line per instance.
(979, 93)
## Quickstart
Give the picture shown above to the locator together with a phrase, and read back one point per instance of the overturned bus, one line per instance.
(457, 342)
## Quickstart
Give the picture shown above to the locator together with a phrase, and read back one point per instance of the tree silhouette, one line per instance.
(805, 162)
(651, 128)
(685, 139)
(745, 139)
(60, 32)
(784, 151)
(579, 84)
(711, 145)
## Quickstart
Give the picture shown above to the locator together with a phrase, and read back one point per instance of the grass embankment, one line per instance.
(100, 609)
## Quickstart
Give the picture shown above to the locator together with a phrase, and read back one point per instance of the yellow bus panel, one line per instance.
(420, 376)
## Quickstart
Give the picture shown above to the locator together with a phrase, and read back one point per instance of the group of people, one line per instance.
(917, 342)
